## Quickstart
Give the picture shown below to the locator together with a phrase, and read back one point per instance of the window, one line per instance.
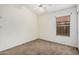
(63, 25)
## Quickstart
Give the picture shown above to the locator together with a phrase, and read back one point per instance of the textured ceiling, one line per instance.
(46, 8)
(41, 8)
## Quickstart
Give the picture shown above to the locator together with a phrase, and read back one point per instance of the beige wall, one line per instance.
(48, 27)
(17, 26)
(78, 23)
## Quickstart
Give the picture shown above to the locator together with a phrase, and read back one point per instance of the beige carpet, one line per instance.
(41, 47)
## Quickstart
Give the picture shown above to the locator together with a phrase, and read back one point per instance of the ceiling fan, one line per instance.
(42, 7)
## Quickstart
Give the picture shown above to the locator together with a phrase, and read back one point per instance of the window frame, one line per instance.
(66, 29)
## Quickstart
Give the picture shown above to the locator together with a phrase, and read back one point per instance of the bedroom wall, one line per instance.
(17, 26)
(48, 27)
(78, 23)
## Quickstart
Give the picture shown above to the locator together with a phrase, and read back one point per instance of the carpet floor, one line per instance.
(41, 47)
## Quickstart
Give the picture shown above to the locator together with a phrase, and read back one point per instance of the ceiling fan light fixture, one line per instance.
(40, 5)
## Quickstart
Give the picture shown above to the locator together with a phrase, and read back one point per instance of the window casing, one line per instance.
(63, 25)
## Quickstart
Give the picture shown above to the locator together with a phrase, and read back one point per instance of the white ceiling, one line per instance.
(47, 7)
